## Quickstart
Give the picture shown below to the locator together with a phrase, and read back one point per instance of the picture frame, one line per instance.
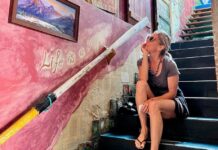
(59, 18)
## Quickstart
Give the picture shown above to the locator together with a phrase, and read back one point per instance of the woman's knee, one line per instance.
(153, 107)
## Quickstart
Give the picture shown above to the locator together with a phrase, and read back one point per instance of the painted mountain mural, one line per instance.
(42, 13)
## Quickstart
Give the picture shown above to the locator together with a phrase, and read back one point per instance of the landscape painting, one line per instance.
(56, 17)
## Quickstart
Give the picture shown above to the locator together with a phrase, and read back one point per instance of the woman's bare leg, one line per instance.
(143, 92)
(141, 96)
(159, 109)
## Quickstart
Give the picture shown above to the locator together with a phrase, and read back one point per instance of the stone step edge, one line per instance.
(194, 57)
(198, 81)
(188, 49)
(200, 68)
(184, 144)
(186, 97)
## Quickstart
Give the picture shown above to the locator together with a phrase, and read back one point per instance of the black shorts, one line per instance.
(181, 109)
(181, 105)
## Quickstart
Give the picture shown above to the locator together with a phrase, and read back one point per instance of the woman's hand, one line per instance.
(144, 50)
(145, 108)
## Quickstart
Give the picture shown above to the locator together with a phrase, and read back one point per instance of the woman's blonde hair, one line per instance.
(164, 39)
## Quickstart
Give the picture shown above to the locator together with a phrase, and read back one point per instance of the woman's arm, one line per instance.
(143, 68)
(172, 87)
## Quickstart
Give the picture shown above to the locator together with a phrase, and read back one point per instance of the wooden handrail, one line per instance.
(47, 101)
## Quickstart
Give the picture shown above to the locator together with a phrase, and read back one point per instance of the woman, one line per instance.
(157, 91)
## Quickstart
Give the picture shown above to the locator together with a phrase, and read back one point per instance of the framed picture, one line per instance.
(55, 17)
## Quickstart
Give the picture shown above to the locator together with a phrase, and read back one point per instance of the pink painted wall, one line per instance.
(186, 12)
(140, 9)
(34, 64)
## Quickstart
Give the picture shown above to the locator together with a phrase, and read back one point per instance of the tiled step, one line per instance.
(190, 74)
(202, 10)
(197, 34)
(191, 52)
(201, 13)
(198, 29)
(194, 129)
(203, 107)
(198, 106)
(199, 23)
(199, 88)
(195, 62)
(192, 44)
(200, 18)
(110, 141)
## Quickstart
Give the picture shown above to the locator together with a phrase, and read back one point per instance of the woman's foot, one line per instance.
(141, 140)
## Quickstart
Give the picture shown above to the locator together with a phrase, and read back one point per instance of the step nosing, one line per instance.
(205, 56)
(199, 22)
(194, 28)
(199, 68)
(202, 98)
(203, 17)
(198, 145)
(197, 81)
(202, 119)
(191, 48)
(196, 33)
(187, 97)
(202, 9)
(201, 40)
(202, 13)
(176, 143)
(124, 136)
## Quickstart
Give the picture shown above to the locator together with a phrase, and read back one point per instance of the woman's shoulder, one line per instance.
(171, 66)
(169, 61)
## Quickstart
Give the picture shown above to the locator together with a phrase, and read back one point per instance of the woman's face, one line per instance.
(152, 44)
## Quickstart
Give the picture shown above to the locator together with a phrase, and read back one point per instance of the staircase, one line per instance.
(195, 60)
(199, 25)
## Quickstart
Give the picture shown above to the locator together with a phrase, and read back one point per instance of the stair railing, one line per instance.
(47, 101)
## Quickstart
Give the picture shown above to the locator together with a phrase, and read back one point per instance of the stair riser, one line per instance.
(197, 74)
(107, 143)
(189, 130)
(201, 14)
(200, 19)
(203, 107)
(192, 52)
(123, 124)
(193, 30)
(197, 34)
(191, 44)
(195, 62)
(202, 10)
(199, 89)
(199, 24)
(115, 144)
